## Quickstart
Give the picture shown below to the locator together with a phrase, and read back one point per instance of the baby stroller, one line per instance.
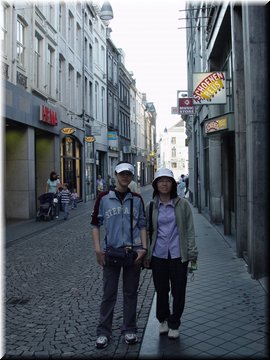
(46, 210)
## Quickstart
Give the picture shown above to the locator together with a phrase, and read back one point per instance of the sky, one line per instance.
(155, 50)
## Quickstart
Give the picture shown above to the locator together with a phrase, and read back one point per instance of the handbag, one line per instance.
(124, 255)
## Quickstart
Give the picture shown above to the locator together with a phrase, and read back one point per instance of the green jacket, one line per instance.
(184, 221)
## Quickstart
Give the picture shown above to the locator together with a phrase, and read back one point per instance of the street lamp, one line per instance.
(106, 12)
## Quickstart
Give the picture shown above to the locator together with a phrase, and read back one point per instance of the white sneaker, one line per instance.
(131, 339)
(102, 342)
(173, 334)
(163, 327)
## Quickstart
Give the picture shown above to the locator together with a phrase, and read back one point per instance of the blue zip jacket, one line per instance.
(115, 216)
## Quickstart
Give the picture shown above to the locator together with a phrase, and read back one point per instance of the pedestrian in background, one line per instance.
(181, 186)
(65, 200)
(122, 214)
(53, 185)
(74, 199)
(187, 185)
(172, 247)
(100, 184)
(134, 187)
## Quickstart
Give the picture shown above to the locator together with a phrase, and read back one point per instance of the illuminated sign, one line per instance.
(209, 88)
(90, 139)
(68, 131)
(211, 126)
(48, 115)
(112, 135)
(185, 106)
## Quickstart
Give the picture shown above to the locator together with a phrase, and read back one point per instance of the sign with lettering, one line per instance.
(215, 125)
(48, 116)
(209, 88)
(68, 131)
(90, 139)
(185, 106)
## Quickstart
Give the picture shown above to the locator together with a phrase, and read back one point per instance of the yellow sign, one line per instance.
(90, 139)
(68, 131)
(216, 125)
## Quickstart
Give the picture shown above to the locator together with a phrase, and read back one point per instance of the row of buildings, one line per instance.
(69, 103)
(228, 141)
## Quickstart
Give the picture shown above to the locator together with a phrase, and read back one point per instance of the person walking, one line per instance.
(65, 200)
(74, 199)
(171, 245)
(100, 184)
(123, 216)
(53, 184)
(134, 187)
(181, 186)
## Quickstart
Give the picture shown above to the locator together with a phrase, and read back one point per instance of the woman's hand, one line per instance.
(141, 254)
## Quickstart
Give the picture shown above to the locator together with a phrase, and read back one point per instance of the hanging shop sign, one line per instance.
(68, 131)
(212, 126)
(48, 116)
(112, 135)
(185, 106)
(90, 139)
(209, 88)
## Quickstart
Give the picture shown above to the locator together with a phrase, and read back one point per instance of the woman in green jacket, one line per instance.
(171, 245)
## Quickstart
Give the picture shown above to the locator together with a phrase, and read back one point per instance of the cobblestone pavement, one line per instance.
(53, 294)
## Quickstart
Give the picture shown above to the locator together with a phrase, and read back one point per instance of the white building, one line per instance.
(173, 151)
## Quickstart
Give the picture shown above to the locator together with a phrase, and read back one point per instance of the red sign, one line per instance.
(186, 106)
(48, 115)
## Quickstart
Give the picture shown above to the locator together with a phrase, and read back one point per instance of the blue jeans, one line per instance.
(66, 210)
(131, 277)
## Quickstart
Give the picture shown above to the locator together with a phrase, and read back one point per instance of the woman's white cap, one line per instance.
(163, 172)
(124, 167)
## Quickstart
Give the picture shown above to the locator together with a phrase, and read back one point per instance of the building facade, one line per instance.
(173, 151)
(228, 144)
(65, 99)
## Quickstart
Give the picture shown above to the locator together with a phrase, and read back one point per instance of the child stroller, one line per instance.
(46, 210)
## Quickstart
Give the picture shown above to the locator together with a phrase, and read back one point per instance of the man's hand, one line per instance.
(100, 258)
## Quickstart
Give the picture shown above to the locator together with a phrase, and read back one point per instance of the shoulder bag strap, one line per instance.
(131, 220)
(150, 221)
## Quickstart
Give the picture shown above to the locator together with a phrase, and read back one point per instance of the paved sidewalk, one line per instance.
(226, 311)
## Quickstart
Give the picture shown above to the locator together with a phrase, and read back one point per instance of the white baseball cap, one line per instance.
(163, 172)
(124, 167)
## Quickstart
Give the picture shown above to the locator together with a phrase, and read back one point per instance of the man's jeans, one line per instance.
(131, 277)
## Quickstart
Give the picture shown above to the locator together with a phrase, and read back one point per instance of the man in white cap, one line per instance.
(123, 216)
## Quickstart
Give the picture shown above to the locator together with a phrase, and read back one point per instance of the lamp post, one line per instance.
(106, 12)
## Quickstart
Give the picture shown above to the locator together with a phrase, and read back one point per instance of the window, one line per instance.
(174, 165)
(78, 39)
(71, 29)
(103, 104)
(91, 98)
(61, 24)
(79, 93)
(71, 86)
(50, 72)
(37, 60)
(90, 57)
(173, 140)
(20, 42)
(3, 29)
(96, 51)
(103, 58)
(173, 152)
(96, 100)
(61, 76)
